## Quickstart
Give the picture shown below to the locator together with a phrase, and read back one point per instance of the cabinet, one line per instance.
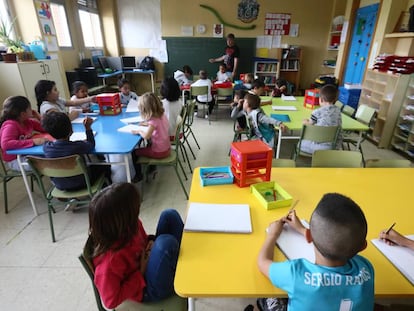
(403, 138)
(266, 69)
(384, 92)
(290, 64)
(20, 78)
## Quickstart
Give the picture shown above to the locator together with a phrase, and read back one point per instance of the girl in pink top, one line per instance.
(18, 128)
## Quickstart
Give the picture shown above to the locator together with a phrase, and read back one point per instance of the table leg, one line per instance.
(128, 172)
(26, 184)
(279, 142)
(359, 140)
(191, 304)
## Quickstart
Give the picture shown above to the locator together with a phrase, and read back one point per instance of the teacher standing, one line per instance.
(230, 57)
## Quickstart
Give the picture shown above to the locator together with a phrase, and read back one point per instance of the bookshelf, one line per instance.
(290, 64)
(267, 69)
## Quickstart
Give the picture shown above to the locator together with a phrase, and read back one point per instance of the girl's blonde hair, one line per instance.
(150, 106)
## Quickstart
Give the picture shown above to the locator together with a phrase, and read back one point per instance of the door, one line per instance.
(362, 35)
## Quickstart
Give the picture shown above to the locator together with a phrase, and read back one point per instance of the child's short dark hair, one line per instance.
(122, 82)
(338, 227)
(281, 82)
(187, 69)
(42, 89)
(170, 89)
(57, 124)
(258, 83)
(328, 93)
(240, 93)
(253, 101)
(77, 85)
(203, 74)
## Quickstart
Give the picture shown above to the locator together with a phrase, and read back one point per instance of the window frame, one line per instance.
(71, 47)
(91, 7)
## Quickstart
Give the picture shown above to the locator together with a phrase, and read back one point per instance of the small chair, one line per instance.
(238, 133)
(63, 167)
(173, 303)
(172, 160)
(200, 90)
(283, 163)
(180, 118)
(339, 104)
(188, 123)
(336, 158)
(319, 134)
(6, 175)
(223, 96)
(394, 163)
(348, 110)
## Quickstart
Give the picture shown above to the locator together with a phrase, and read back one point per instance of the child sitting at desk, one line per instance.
(18, 127)
(280, 88)
(125, 92)
(327, 115)
(393, 237)
(183, 77)
(248, 81)
(258, 87)
(128, 263)
(208, 98)
(170, 92)
(339, 279)
(58, 125)
(47, 96)
(222, 75)
(80, 90)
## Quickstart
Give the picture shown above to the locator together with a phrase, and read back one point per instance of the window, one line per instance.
(90, 23)
(5, 17)
(61, 24)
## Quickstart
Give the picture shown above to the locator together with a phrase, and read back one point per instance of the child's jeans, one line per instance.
(162, 261)
(14, 165)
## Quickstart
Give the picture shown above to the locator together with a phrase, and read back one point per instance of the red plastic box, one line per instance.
(109, 104)
(311, 98)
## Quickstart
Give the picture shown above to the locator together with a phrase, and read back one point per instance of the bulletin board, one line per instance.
(277, 24)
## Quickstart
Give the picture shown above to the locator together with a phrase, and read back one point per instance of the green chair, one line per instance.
(339, 104)
(223, 96)
(336, 158)
(319, 134)
(283, 163)
(6, 175)
(348, 110)
(188, 123)
(63, 167)
(172, 160)
(395, 163)
(238, 132)
(181, 146)
(173, 303)
(200, 90)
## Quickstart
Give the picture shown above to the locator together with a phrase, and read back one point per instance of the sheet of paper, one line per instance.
(136, 119)
(132, 127)
(401, 257)
(80, 120)
(294, 245)
(79, 136)
(284, 108)
(132, 106)
(231, 218)
(288, 98)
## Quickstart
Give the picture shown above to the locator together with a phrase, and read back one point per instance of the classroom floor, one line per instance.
(36, 274)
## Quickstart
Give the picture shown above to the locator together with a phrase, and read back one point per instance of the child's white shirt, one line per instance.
(222, 76)
(204, 82)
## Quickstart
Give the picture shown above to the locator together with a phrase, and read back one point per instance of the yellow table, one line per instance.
(224, 265)
(297, 117)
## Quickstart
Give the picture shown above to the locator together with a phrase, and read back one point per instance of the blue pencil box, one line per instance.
(280, 117)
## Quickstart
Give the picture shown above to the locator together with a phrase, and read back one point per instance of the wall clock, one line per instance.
(201, 28)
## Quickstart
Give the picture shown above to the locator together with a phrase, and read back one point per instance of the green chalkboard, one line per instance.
(195, 52)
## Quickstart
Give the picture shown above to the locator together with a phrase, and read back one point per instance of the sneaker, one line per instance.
(272, 304)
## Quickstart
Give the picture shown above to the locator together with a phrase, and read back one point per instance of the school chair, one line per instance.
(239, 132)
(394, 163)
(316, 133)
(336, 158)
(63, 167)
(348, 110)
(180, 118)
(223, 96)
(283, 163)
(188, 123)
(172, 160)
(200, 90)
(6, 175)
(339, 104)
(173, 303)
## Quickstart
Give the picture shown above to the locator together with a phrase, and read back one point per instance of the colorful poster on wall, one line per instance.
(51, 43)
(218, 30)
(277, 24)
(43, 9)
(47, 27)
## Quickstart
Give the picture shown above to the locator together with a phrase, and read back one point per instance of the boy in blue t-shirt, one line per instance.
(339, 279)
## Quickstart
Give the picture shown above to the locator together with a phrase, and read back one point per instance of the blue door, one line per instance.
(362, 34)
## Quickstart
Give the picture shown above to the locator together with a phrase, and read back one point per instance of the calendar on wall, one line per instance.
(277, 24)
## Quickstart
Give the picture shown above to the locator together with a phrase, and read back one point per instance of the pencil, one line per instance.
(389, 229)
(294, 205)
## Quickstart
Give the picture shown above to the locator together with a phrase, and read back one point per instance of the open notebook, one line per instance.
(132, 127)
(231, 218)
(79, 136)
(401, 257)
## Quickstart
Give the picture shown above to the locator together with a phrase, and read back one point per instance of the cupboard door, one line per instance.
(53, 73)
(30, 74)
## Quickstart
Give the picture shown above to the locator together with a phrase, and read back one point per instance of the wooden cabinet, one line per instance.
(21, 78)
(403, 137)
(290, 64)
(384, 92)
(266, 69)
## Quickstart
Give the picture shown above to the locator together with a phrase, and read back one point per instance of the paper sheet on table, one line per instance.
(132, 127)
(136, 119)
(79, 136)
(284, 108)
(80, 120)
(132, 106)
(401, 257)
(288, 98)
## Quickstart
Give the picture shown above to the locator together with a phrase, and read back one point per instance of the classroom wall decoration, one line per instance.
(221, 20)
(248, 11)
(218, 30)
(277, 24)
(44, 16)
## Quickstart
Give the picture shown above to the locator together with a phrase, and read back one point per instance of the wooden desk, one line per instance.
(224, 265)
(297, 117)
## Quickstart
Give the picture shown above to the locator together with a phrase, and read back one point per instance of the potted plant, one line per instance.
(14, 46)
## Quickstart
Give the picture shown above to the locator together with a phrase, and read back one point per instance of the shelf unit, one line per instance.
(290, 63)
(385, 93)
(403, 138)
(267, 69)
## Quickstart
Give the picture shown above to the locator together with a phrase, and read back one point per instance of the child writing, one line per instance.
(280, 88)
(205, 81)
(125, 92)
(58, 125)
(393, 237)
(129, 264)
(170, 92)
(327, 115)
(48, 99)
(18, 126)
(222, 75)
(80, 90)
(183, 77)
(154, 117)
(339, 277)
(262, 125)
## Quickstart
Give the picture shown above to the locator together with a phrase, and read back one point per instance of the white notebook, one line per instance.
(288, 98)
(136, 119)
(231, 218)
(294, 245)
(401, 257)
(284, 108)
(79, 136)
(132, 106)
(80, 120)
(132, 127)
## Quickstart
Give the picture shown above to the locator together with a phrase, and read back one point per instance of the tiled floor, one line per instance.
(36, 274)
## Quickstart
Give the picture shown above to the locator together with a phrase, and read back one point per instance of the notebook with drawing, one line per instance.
(401, 257)
(229, 218)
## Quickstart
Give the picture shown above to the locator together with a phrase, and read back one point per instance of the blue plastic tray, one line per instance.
(218, 175)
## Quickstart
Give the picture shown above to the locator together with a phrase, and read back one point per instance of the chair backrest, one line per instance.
(225, 91)
(320, 134)
(178, 131)
(387, 163)
(364, 114)
(3, 169)
(348, 110)
(283, 163)
(198, 90)
(188, 121)
(336, 158)
(339, 104)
